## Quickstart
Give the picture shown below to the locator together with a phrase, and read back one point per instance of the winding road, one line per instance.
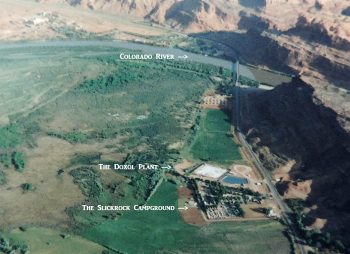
(285, 210)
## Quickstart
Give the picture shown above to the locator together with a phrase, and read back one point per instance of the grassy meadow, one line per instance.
(165, 232)
(138, 104)
(49, 241)
(64, 110)
(31, 77)
(213, 141)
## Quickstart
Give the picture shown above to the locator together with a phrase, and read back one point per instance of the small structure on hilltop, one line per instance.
(217, 101)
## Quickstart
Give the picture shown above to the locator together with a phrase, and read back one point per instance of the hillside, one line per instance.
(329, 17)
(300, 139)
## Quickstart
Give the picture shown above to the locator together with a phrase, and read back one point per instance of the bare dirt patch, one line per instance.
(182, 166)
(250, 172)
(319, 223)
(243, 171)
(177, 145)
(23, 20)
(282, 172)
(252, 211)
(109, 177)
(192, 215)
(298, 189)
(184, 193)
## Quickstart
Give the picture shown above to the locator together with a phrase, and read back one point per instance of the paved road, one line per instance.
(263, 171)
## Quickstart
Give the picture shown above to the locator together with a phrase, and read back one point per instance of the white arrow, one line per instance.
(183, 57)
(166, 167)
(183, 208)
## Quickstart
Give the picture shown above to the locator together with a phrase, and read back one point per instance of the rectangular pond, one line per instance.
(234, 180)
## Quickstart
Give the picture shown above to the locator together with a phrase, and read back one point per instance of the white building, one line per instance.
(206, 170)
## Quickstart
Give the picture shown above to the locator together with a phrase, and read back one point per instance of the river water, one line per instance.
(148, 49)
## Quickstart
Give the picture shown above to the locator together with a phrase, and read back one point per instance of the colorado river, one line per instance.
(133, 46)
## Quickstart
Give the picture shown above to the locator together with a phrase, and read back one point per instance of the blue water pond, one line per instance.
(234, 180)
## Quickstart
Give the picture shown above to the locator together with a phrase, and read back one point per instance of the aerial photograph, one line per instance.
(174, 126)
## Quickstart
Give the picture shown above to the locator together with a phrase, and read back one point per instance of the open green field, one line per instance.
(97, 108)
(86, 95)
(48, 241)
(31, 77)
(165, 232)
(142, 104)
(213, 141)
(88, 107)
